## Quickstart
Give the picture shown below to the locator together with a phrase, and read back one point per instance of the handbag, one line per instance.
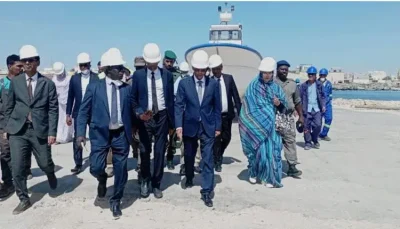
(282, 123)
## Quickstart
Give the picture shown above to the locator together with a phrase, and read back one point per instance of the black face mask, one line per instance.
(114, 72)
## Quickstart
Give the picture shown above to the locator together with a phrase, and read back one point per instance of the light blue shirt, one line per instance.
(312, 98)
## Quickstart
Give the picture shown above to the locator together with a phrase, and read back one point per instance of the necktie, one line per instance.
(200, 90)
(154, 93)
(114, 106)
(30, 93)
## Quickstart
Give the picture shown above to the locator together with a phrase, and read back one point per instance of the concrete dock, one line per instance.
(351, 182)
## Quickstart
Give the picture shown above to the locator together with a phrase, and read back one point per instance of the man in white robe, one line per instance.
(61, 80)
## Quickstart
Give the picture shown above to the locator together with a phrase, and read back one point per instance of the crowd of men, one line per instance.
(155, 110)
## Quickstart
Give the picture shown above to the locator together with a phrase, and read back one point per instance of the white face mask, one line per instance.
(322, 79)
(86, 72)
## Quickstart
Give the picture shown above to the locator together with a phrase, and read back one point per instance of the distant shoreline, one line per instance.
(389, 86)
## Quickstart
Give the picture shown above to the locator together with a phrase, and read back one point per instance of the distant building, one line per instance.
(375, 76)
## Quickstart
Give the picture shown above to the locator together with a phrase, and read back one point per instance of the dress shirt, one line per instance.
(84, 82)
(109, 97)
(224, 95)
(203, 85)
(159, 90)
(33, 82)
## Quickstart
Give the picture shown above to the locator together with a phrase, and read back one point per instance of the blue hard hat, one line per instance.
(297, 80)
(312, 70)
(323, 71)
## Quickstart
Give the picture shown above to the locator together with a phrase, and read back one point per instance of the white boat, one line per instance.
(226, 40)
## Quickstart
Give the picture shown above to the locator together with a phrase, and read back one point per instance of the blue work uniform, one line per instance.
(328, 113)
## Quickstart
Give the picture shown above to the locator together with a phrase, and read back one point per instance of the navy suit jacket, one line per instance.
(140, 90)
(188, 109)
(75, 93)
(95, 112)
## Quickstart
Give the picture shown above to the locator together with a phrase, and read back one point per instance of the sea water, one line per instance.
(368, 95)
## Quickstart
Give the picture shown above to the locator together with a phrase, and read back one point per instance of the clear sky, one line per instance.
(358, 36)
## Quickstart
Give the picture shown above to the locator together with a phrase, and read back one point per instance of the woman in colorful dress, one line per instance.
(261, 143)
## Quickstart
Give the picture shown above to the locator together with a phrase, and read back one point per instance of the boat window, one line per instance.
(225, 35)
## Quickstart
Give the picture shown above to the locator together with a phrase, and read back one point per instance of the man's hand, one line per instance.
(81, 141)
(217, 133)
(51, 140)
(179, 133)
(171, 132)
(323, 110)
(301, 119)
(146, 116)
(276, 101)
(69, 120)
(5, 136)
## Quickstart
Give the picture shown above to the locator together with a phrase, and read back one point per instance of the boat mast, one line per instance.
(226, 15)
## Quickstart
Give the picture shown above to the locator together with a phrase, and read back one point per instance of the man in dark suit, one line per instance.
(32, 117)
(229, 93)
(153, 103)
(77, 88)
(107, 108)
(198, 116)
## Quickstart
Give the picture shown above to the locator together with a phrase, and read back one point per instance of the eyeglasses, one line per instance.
(29, 60)
(199, 70)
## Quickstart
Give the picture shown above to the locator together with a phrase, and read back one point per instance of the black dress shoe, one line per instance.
(197, 169)
(170, 165)
(102, 189)
(76, 170)
(182, 172)
(189, 183)
(6, 191)
(116, 210)
(22, 206)
(51, 177)
(207, 200)
(218, 168)
(144, 189)
(157, 193)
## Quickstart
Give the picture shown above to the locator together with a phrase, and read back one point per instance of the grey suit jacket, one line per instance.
(44, 106)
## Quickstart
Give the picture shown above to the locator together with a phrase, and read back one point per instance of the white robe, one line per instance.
(64, 132)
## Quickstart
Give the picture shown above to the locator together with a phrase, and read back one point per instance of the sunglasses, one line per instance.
(84, 65)
(119, 68)
(311, 75)
(29, 60)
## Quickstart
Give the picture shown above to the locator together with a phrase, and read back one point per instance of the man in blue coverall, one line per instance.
(323, 73)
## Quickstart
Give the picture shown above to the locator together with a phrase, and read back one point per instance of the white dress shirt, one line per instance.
(224, 95)
(33, 82)
(203, 86)
(84, 82)
(159, 90)
(109, 97)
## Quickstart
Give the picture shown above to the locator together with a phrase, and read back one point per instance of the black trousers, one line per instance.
(157, 127)
(21, 145)
(78, 158)
(223, 140)
(5, 161)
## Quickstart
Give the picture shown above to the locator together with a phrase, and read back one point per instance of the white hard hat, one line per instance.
(115, 50)
(104, 60)
(200, 59)
(114, 58)
(215, 61)
(184, 66)
(27, 51)
(58, 68)
(83, 58)
(151, 53)
(268, 64)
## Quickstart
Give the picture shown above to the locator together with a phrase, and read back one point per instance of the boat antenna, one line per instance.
(226, 15)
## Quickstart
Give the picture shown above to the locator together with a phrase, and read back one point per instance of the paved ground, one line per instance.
(349, 183)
